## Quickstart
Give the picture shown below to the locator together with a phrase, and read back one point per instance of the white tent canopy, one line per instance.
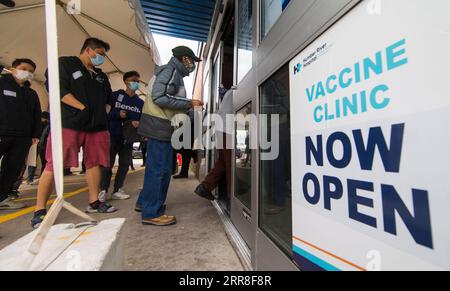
(119, 22)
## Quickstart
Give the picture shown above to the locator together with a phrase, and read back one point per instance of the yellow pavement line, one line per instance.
(6, 218)
(31, 198)
(9, 217)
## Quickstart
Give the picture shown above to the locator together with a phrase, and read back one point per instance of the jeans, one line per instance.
(31, 173)
(157, 178)
(125, 152)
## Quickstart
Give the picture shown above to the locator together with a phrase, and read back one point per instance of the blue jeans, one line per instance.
(31, 173)
(157, 178)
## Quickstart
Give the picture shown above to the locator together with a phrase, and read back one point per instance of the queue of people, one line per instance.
(104, 124)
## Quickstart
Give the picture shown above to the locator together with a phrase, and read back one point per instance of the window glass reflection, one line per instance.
(271, 10)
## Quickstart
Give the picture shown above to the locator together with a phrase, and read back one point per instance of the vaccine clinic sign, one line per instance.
(370, 103)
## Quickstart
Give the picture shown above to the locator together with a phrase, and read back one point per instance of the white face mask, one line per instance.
(23, 75)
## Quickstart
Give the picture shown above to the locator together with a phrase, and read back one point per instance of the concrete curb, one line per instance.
(88, 248)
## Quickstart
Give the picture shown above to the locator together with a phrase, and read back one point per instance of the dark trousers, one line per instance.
(42, 150)
(143, 147)
(19, 179)
(13, 152)
(221, 169)
(174, 162)
(186, 157)
(125, 152)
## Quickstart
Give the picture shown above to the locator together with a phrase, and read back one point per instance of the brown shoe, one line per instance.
(163, 220)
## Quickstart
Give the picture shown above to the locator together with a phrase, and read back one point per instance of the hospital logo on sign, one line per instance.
(297, 68)
(312, 57)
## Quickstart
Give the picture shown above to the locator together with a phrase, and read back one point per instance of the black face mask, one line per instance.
(191, 67)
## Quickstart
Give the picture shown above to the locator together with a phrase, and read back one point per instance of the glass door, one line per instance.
(244, 139)
(243, 214)
(243, 157)
(213, 106)
(275, 194)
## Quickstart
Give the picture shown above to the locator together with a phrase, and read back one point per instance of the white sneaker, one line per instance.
(120, 195)
(103, 196)
(35, 182)
(8, 204)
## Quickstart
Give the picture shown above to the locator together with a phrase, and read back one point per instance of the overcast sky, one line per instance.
(165, 45)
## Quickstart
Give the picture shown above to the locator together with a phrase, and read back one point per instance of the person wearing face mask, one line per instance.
(167, 98)
(20, 125)
(126, 108)
(85, 98)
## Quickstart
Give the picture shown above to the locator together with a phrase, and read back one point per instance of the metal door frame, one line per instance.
(244, 219)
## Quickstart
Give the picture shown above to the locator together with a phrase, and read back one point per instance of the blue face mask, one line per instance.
(98, 60)
(134, 86)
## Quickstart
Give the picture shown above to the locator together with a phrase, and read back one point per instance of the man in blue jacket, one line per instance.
(126, 107)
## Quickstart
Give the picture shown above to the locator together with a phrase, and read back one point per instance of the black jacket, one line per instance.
(91, 89)
(20, 109)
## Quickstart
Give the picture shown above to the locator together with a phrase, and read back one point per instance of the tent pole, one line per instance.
(54, 92)
(56, 136)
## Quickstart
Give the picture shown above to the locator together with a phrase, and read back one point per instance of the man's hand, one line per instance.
(70, 100)
(197, 103)
(135, 124)
(35, 141)
(123, 114)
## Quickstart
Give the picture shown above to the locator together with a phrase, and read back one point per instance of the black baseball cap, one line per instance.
(184, 51)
